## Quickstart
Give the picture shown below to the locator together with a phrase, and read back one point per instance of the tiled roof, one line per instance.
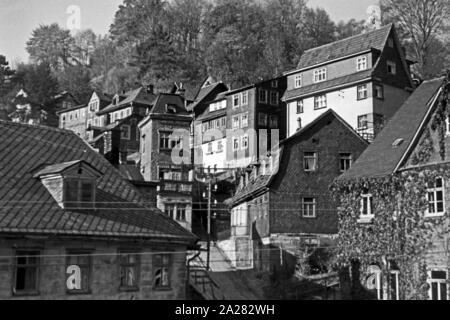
(374, 39)
(134, 96)
(130, 172)
(327, 85)
(255, 186)
(164, 99)
(28, 207)
(381, 158)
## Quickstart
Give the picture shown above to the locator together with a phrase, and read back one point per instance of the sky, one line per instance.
(18, 18)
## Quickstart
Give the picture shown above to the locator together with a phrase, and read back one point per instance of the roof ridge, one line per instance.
(351, 37)
(36, 126)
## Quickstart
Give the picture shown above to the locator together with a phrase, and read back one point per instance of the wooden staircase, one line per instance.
(201, 282)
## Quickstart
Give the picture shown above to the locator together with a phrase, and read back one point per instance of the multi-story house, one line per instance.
(255, 117)
(75, 229)
(165, 131)
(364, 78)
(98, 102)
(74, 119)
(394, 213)
(284, 203)
(124, 113)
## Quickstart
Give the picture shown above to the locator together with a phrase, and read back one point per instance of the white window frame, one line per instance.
(244, 124)
(314, 211)
(447, 126)
(235, 125)
(298, 81)
(316, 160)
(370, 215)
(320, 102)
(393, 67)
(435, 192)
(244, 98)
(430, 281)
(361, 63)
(320, 75)
(362, 92)
(343, 158)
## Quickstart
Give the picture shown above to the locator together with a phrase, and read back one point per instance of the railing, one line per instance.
(173, 186)
(201, 281)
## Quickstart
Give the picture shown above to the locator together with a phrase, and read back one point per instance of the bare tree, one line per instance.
(421, 21)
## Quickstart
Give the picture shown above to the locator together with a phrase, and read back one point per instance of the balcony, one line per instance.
(175, 186)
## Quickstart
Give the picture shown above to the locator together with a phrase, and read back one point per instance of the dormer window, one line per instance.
(72, 184)
(79, 193)
(320, 75)
(361, 63)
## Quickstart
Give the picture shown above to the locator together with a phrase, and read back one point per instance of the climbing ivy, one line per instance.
(400, 232)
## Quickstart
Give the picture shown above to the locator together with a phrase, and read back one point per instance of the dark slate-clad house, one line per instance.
(285, 202)
(72, 228)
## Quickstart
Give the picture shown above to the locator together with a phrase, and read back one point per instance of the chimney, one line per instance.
(150, 89)
(112, 146)
(181, 90)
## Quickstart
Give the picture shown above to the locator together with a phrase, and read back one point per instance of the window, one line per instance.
(244, 120)
(378, 91)
(26, 272)
(345, 161)
(129, 271)
(224, 122)
(161, 265)
(362, 92)
(274, 97)
(298, 81)
(245, 143)
(310, 161)
(125, 133)
(79, 193)
(367, 207)
(436, 205)
(309, 208)
(262, 96)
(78, 265)
(300, 109)
(210, 148)
(361, 63)
(235, 122)
(391, 68)
(274, 84)
(219, 147)
(320, 102)
(299, 122)
(363, 122)
(273, 121)
(181, 213)
(262, 119)
(244, 98)
(164, 138)
(169, 210)
(447, 126)
(438, 285)
(235, 144)
(320, 75)
(235, 101)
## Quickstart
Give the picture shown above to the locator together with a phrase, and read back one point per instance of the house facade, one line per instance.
(98, 102)
(395, 203)
(283, 204)
(83, 232)
(255, 116)
(364, 79)
(165, 134)
(74, 119)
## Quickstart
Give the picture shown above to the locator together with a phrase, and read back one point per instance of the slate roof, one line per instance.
(130, 172)
(252, 188)
(139, 96)
(59, 167)
(327, 85)
(164, 99)
(375, 39)
(205, 93)
(381, 158)
(27, 206)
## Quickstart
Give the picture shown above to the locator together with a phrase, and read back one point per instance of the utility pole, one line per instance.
(209, 225)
